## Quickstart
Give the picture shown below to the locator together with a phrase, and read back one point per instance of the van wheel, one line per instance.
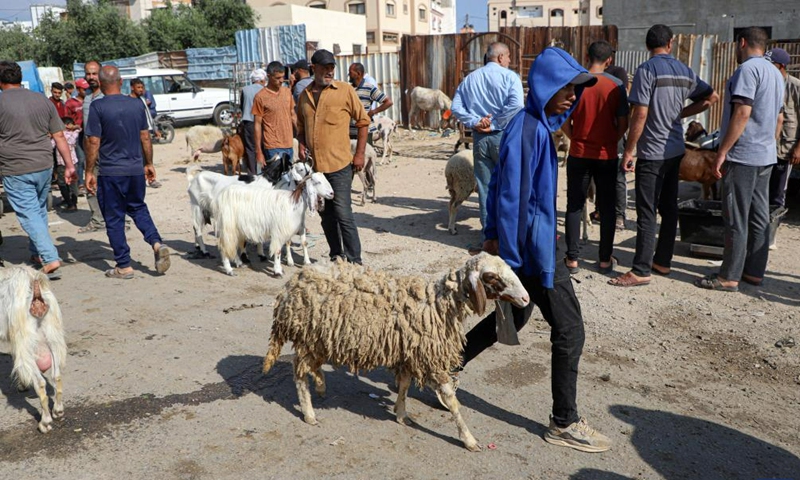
(223, 117)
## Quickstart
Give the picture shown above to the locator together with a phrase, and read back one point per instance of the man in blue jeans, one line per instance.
(485, 102)
(754, 102)
(521, 228)
(26, 161)
(117, 132)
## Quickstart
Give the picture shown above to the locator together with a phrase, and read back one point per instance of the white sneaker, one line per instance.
(579, 436)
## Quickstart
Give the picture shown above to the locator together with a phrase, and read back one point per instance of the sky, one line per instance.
(476, 9)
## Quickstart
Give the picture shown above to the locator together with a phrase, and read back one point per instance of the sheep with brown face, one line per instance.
(348, 315)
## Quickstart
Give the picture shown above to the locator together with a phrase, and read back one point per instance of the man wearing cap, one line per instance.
(258, 78)
(788, 144)
(595, 128)
(325, 109)
(521, 229)
(302, 77)
(74, 108)
(485, 101)
(750, 119)
(660, 89)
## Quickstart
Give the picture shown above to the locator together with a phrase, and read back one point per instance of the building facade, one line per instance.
(723, 18)
(138, 10)
(386, 20)
(544, 13)
(443, 17)
(348, 38)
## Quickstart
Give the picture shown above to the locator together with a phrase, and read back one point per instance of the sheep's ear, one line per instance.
(296, 175)
(477, 293)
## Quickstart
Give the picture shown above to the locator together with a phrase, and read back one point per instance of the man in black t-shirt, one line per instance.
(118, 132)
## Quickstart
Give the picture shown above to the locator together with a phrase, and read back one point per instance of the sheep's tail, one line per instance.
(192, 172)
(275, 346)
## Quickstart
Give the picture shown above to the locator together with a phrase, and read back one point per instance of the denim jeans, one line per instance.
(580, 171)
(656, 189)
(486, 153)
(122, 195)
(27, 194)
(562, 310)
(338, 221)
(745, 215)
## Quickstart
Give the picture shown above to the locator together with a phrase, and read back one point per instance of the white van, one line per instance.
(179, 98)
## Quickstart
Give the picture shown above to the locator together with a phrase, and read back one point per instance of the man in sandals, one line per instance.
(118, 132)
(660, 89)
(750, 119)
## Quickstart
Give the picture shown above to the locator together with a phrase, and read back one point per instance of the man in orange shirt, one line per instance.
(325, 109)
(595, 128)
(274, 116)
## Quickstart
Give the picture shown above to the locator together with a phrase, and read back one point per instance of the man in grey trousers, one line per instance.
(754, 99)
(92, 76)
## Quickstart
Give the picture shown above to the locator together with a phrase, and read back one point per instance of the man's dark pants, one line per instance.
(778, 181)
(580, 171)
(562, 311)
(117, 197)
(338, 221)
(745, 215)
(248, 132)
(656, 189)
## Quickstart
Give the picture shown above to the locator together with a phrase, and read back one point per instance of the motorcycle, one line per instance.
(164, 128)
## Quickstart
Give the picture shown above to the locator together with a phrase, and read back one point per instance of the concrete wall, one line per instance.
(715, 17)
(349, 29)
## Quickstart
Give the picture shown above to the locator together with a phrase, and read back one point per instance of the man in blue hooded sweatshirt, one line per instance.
(521, 228)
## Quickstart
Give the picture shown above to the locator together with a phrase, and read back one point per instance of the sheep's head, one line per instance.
(316, 189)
(444, 101)
(489, 277)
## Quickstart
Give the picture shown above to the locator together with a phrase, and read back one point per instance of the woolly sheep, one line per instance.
(368, 174)
(30, 320)
(460, 183)
(363, 319)
(427, 100)
(204, 139)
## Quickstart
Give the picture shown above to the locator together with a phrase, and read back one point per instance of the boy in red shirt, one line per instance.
(595, 128)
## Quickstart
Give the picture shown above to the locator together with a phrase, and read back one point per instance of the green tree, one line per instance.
(89, 32)
(224, 18)
(178, 28)
(17, 45)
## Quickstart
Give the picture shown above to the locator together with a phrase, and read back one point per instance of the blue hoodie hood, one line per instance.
(551, 71)
(521, 201)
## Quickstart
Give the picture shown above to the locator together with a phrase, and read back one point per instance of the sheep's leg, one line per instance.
(449, 397)
(301, 370)
(58, 404)
(277, 269)
(226, 264)
(451, 224)
(289, 256)
(363, 179)
(319, 379)
(40, 385)
(403, 382)
(374, 182)
(260, 252)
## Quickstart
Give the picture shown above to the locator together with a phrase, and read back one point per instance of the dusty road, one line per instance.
(163, 376)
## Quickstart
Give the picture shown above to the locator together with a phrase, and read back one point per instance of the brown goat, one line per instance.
(232, 152)
(698, 166)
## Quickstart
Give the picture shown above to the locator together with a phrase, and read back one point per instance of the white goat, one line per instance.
(460, 175)
(204, 186)
(385, 129)
(368, 174)
(204, 139)
(427, 100)
(255, 214)
(351, 316)
(30, 319)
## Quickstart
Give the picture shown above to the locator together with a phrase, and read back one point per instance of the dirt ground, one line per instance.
(163, 377)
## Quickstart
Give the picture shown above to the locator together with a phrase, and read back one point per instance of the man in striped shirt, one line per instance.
(367, 94)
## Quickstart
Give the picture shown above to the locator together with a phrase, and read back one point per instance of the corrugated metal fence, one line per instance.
(384, 68)
(286, 44)
(440, 61)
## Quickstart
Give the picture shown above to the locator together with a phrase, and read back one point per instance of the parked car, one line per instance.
(180, 98)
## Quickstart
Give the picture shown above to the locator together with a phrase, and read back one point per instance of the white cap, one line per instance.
(258, 75)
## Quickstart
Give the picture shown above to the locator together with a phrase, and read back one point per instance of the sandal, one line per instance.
(712, 282)
(571, 270)
(754, 281)
(628, 280)
(115, 273)
(90, 228)
(162, 259)
(608, 269)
